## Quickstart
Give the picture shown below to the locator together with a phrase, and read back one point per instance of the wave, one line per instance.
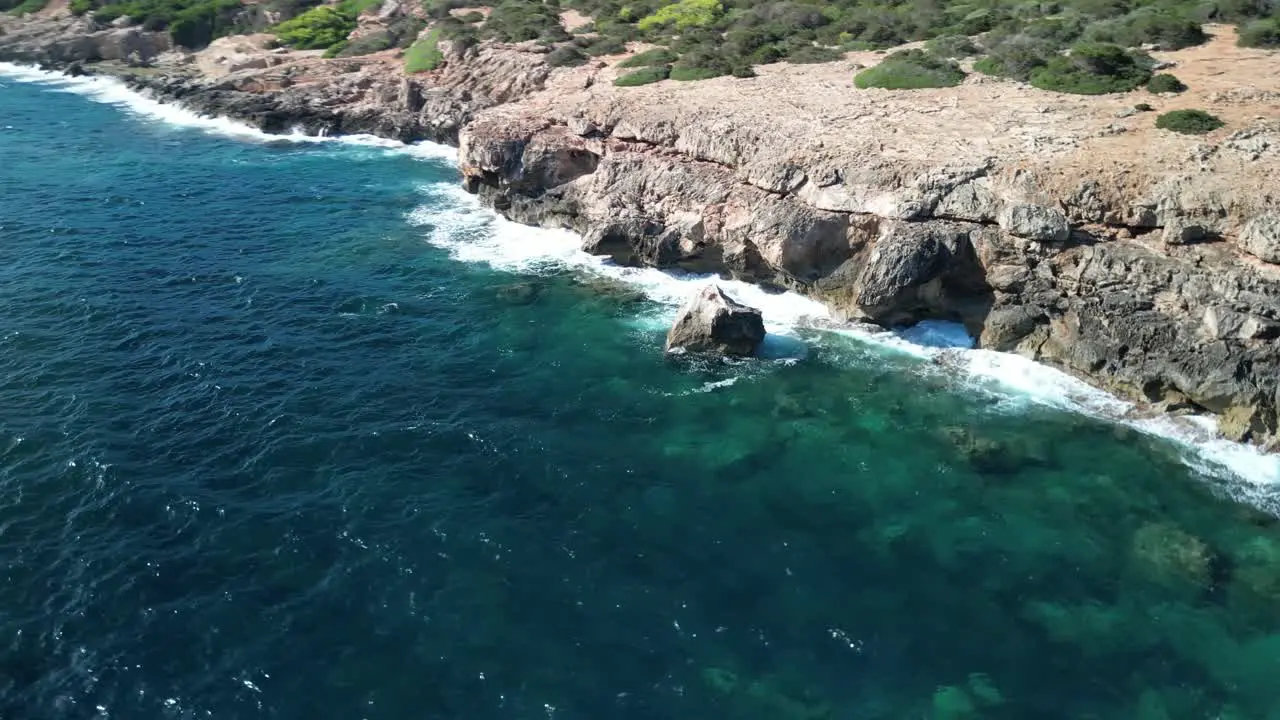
(111, 91)
(458, 222)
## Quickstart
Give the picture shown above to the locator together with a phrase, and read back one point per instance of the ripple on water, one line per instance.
(283, 459)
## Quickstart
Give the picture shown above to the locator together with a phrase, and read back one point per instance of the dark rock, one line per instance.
(713, 322)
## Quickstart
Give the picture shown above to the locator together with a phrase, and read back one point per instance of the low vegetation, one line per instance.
(22, 7)
(657, 56)
(399, 34)
(1093, 69)
(952, 46)
(424, 55)
(566, 56)
(1077, 46)
(1165, 83)
(911, 70)
(597, 46)
(190, 23)
(316, 29)
(1188, 122)
(644, 76)
(1260, 34)
(1013, 38)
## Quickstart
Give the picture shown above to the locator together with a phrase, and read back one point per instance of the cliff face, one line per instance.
(1064, 228)
(1173, 324)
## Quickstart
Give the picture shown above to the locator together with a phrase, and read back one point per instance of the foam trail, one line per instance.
(1021, 380)
(458, 222)
(111, 91)
(472, 233)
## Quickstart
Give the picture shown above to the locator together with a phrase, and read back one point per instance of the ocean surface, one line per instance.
(291, 428)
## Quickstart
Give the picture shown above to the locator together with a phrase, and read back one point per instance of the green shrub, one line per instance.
(952, 46)
(806, 54)
(1058, 31)
(605, 46)
(1092, 69)
(358, 7)
(440, 9)
(700, 64)
(1165, 83)
(1188, 122)
(519, 20)
(644, 76)
(471, 17)
(28, 6)
(424, 55)
(684, 14)
(1143, 107)
(1167, 29)
(405, 31)
(80, 7)
(190, 23)
(317, 28)
(656, 56)
(566, 56)
(1018, 36)
(1260, 34)
(910, 70)
(1017, 58)
(399, 34)
(695, 73)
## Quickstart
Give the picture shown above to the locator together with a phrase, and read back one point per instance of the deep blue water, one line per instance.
(269, 448)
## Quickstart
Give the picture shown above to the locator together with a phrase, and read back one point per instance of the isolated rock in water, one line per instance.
(715, 322)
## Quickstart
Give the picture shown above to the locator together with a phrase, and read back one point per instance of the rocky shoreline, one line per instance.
(1057, 227)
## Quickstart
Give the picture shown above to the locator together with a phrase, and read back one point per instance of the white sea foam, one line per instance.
(457, 221)
(110, 91)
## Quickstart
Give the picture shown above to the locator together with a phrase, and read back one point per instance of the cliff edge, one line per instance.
(1064, 228)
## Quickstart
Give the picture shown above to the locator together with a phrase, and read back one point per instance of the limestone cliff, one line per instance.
(1067, 229)
(1064, 228)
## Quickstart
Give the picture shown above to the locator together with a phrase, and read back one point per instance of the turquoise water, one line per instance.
(291, 430)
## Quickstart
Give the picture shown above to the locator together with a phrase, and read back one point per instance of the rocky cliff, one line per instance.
(1064, 228)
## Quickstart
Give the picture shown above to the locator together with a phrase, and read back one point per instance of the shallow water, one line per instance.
(292, 430)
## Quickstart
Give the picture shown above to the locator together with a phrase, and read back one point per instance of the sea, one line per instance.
(292, 428)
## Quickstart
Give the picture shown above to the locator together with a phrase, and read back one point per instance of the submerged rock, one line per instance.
(1172, 557)
(714, 322)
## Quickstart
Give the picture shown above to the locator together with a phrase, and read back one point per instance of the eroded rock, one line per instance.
(714, 322)
(1035, 223)
(1260, 237)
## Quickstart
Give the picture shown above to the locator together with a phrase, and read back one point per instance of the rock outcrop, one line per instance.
(63, 40)
(1060, 227)
(714, 322)
(1139, 263)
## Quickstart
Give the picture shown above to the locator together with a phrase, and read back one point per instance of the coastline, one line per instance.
(522, 248)
(1091, 278)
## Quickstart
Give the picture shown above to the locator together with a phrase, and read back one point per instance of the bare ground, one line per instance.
(815, 110)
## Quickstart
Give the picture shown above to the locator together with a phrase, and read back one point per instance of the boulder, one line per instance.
(1260, 237)
(714, 322)
(1180, 231)
(1035, 222)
